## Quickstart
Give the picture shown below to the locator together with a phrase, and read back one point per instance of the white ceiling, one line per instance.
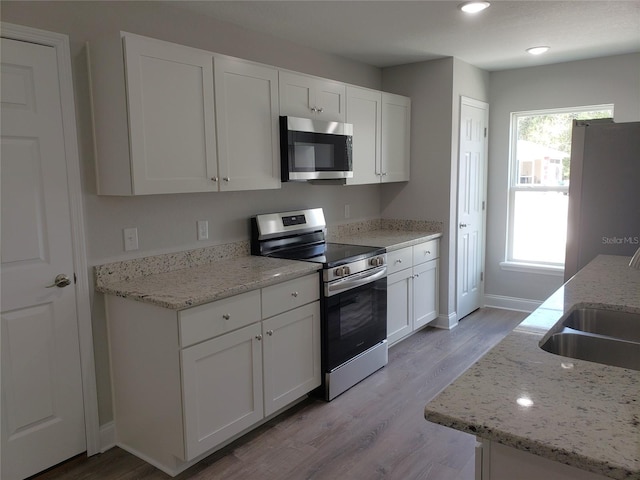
(386, 33)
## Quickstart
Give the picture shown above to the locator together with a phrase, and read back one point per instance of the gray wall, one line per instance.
(435, 88)
(167, 223)
(589, 82)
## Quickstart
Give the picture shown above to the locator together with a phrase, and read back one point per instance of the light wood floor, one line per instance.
(375, 430)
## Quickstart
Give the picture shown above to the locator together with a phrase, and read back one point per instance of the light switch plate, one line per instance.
(203, 229)
(130, 239)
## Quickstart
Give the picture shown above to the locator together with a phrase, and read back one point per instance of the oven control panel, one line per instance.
(354, 267)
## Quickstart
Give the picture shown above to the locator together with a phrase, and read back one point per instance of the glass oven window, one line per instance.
(356, 320)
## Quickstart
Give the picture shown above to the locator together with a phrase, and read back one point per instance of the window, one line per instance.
(539, 184)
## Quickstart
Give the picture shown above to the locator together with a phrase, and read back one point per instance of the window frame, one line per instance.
(532, 266)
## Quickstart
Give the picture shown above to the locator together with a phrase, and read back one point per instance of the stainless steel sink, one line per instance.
(597, 335)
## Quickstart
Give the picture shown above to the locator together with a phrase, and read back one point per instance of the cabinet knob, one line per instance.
(416, 275)
(226, 316)
(463, 225)
(214, 179)
(320, 110)
(269, 332)
(294, 294)
(427, 252)
(314, 109)
(384, 174)
(399, 260)
(258, 337)
(226, 179)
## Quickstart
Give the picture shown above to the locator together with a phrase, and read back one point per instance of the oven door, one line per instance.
(354, 320)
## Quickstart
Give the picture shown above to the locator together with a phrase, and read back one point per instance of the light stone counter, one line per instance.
(390, 234)
(583, 414)
(194, 285)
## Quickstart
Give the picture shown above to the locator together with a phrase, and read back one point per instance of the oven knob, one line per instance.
(373, 262)
(339, 272)
(347, 270)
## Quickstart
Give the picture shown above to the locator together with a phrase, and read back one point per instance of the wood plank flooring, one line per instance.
(375, 430)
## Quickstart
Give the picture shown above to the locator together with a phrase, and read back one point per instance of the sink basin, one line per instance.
(611, 323)
(597, 335)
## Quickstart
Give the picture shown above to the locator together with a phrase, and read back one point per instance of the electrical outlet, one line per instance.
(130, 239)
(203, 229)
(347, 211)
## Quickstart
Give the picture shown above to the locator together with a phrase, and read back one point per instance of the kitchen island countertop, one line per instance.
(579, 413)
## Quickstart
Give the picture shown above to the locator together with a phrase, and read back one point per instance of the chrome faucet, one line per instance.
(635, 260)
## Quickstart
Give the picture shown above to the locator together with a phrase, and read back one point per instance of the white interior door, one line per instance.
(42, 398)
(471, 205)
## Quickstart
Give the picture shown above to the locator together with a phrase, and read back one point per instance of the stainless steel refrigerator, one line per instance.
(604, 192)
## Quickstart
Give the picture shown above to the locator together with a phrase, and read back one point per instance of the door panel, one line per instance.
(471, 196)
(42, 411)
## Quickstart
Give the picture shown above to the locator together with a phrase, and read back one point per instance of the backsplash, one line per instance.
(140, 267)
(334, 231)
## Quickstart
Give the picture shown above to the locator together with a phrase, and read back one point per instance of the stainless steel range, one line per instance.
(353, 296)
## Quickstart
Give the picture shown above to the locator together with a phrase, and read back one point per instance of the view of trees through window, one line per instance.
(538, 196)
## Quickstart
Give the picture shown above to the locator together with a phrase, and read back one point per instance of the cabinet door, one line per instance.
(396, 127)
(291, 356)
(171, 117)
(222, 388)
(399, 305)
(311, 97)
(247, 125)
(364, 111)
(330, 100)
(425, 293)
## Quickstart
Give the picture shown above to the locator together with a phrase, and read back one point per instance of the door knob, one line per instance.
(60, 281)
(463, 225)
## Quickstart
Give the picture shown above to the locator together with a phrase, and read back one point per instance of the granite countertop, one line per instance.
(582, 414)
(187, 287)
(389, 239)
(185, 279)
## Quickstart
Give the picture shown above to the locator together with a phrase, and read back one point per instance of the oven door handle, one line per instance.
(355, 281)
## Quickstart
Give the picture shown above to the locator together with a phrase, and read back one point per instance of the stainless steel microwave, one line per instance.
(315, 150)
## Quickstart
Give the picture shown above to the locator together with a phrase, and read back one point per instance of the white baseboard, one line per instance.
(107, 436)
(446, 322)
(511, 303)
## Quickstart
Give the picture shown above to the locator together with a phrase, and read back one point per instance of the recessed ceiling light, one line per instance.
(473, 7)
(537, 50)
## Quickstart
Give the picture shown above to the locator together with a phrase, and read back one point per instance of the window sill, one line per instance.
(552, 270)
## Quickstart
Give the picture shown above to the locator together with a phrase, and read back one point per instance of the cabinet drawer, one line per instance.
(399, 260)
(426, 251)
(212, 319)
(291, 294)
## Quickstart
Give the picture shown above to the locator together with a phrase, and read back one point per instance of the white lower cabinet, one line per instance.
(495, 461)
(187, 383)
(412, 289)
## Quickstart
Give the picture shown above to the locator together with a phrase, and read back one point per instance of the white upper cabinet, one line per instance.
(312, 97)
(381, 128)
(396, 129)
(159, 129)
(364, 111)
(153, 110)
(247, 125)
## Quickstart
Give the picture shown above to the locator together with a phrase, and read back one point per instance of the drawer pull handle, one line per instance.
(427, 252)
(399, 260)
(269, 332)
(258, 337)
(226, 316)
(295, 294)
